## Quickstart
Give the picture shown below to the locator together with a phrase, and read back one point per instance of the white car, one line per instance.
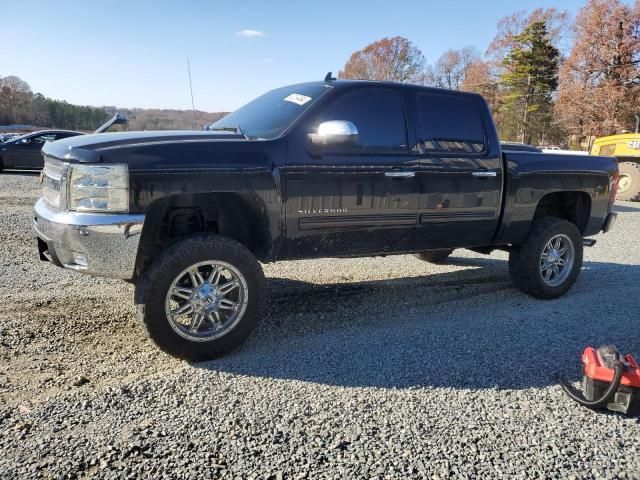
(559, 151)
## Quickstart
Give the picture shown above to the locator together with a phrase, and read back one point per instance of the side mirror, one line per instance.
(25, 140)
(334, 133)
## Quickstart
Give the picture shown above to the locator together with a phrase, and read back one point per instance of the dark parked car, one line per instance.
(5, 137)
(322, 169)
(24, 152)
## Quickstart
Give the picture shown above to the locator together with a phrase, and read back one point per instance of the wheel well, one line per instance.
(226, 214)
(572, 206)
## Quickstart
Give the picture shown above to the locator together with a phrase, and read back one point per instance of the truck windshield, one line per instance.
(269, 115)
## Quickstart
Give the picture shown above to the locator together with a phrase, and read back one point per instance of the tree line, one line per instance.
(539, 90)
(19, 105)
(165, 119)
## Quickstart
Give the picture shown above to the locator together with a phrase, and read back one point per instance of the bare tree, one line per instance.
(481, 78)
(15, 95)
(15, 84)
(393, 59)
(450, 71)
(509, 27)
(600, 80)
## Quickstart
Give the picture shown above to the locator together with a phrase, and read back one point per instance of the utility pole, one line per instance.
(193, 106)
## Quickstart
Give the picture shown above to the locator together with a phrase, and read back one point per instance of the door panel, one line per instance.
(9, 157)
(32, 155)
(33, 158)
(458, 209)
(21, 155)
(343, 209)
(460, 172)
(28, 155)
(340, 203)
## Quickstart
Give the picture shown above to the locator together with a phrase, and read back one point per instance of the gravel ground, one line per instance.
(376, 368)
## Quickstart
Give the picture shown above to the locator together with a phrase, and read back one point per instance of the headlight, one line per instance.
(99, 188)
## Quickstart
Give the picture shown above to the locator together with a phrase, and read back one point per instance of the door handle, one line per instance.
(484, 173)
(399, 174)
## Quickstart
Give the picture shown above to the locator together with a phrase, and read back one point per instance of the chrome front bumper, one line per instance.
(101, 244)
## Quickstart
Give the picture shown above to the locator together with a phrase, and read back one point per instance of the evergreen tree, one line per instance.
(530, 78)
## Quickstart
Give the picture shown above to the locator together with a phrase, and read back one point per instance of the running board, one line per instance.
(588, 242)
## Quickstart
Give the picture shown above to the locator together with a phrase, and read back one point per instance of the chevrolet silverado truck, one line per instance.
(321, 169)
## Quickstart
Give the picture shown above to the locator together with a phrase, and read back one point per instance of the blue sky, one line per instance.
(133, 53)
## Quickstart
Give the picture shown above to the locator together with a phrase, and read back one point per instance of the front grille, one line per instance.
(53, 181)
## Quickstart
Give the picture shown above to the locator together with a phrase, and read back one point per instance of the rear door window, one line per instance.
(50, 137)
(377, 113)
(449, 123)
(61, 135)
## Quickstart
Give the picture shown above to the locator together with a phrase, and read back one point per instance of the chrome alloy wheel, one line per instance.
(557, 260)
(206, 300)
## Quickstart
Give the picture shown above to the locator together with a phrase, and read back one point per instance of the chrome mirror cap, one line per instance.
(335, 132)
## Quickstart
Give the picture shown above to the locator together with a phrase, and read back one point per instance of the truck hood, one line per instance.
(88, 148)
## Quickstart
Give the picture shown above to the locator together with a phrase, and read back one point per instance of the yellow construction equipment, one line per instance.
(626, 148)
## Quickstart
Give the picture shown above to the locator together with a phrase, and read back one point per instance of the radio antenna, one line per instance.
(193, 106)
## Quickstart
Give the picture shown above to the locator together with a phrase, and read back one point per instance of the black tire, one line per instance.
(525, 261)
(435, 256)
(152, 288)
(1, 165)
(631, 173)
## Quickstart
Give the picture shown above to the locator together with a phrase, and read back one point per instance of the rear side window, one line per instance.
(377, 113)
(44, 138)
(60, 136)
(449, 123)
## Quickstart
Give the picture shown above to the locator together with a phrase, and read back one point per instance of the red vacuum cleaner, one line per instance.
(610, 381)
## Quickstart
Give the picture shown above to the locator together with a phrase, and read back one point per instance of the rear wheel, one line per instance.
(201, 297)
(629, 181)
(435, 256)
(548, 263)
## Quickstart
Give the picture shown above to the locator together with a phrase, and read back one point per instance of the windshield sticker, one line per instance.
(297, 98)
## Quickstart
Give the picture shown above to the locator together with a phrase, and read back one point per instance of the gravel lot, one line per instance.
(376, 368)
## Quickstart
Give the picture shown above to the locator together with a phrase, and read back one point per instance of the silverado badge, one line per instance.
(314, 211)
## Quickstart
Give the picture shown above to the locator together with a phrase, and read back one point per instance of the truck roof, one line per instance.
(396, 85)
(617, 138)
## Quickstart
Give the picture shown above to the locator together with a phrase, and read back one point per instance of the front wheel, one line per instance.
(201, 297)
(547, 264)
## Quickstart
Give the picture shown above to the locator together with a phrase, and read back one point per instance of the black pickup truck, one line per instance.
(321, 169)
